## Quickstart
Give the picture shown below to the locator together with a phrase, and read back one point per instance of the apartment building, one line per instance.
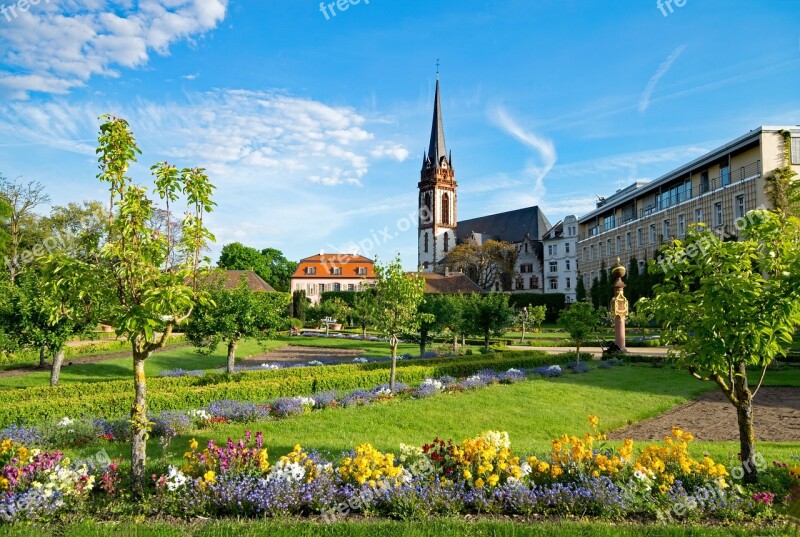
(332, 272)
(560, 255)
(715, 190)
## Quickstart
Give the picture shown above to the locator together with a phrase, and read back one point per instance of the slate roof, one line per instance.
(438, 149)
(231, 279)
(511, 226)
(449, 285)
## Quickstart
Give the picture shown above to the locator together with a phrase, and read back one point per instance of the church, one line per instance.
(440, 230)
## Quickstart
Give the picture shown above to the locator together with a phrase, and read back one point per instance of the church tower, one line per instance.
(437, 197)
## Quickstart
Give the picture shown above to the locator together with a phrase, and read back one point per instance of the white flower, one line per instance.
(383, 391)
(270, 367)
(201, 414)
(497, 439)
(360, 361)
(306, 401)
(65, 422)
(473, 378)
(435, 383)
(175, 479)
(525, 469)
(515, 371)
(315, 363)
(286, 472)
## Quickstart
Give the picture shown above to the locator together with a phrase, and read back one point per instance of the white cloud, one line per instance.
(55, 46)
(545, 149)
(391, 151)
(644, 100)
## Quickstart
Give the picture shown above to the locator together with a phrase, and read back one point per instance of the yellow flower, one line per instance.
(210, 477)
(794, 471)
(193, 445)
(467, 474)
(594, 421)
(3, 483)
(493, 479)
(479, 483)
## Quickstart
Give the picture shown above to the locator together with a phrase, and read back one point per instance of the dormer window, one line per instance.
(311, 271)
(336, 271)
(362, 271)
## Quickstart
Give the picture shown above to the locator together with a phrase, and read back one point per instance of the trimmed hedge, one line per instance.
(109, 399)
(555, 303)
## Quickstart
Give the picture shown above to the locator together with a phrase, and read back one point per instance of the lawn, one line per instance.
(532, 412)
(187, 357)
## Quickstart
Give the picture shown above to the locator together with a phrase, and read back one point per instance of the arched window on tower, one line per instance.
(425, 210)
(426, 242)
(446, 242)
(446, 209)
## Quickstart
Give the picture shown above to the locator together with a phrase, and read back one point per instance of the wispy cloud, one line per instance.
(54, 47)
(644, 100)
(545, 148)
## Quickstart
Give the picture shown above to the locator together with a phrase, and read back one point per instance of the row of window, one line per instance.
(615, 248)
(552, 249)
(335, 271)
(428, 206)
(311, 288)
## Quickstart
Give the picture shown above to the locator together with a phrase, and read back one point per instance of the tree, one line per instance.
(727, 305)
(269, 263)
(77, 229)
(397, 299)
(134, 293)
(22, 198)
(488, 315)
(580, 289)
(531, 315)
(299, 305)
(487, 264)
(233, 315)
(364, 310)
(5, 214)
(39, 322)
(435, 315)
(580, 320)
(334, 308)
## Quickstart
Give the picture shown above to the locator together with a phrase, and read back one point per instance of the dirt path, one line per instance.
(75, 360)
(299, 355)
(711, 417)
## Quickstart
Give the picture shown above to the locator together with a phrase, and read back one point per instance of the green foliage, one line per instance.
(554, 303)
(232, 315)
(580, 289)
(490, 264)
(268, 263)
(5, 214)
(726, 305)
(348, 297)
(437, 312)
(488, 315)
(300, 305)
(581, 321)
(364, 309)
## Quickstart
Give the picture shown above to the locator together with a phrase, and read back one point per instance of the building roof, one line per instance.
(639, 189)
(230, 280)
(451, 284)
(437, 149)
(511, 226)
(555, 232)
(323, 265)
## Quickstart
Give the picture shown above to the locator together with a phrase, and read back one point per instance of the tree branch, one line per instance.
(763, 373)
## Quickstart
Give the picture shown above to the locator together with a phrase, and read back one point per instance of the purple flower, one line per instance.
(242, 411)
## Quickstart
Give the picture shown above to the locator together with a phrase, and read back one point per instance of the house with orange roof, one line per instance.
(332, 272)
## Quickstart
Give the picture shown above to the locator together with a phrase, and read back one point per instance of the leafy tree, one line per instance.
(77, 229)
(531, 315)
(397, 298)
(233, 315)
(435, 316)
(335, 308)
(364, 310)
(580, 321)
(134, 293)
(5, 214)
(488, 315)
(727, 305)
(269, 263)
(299, 305)
(487, 264)
(22, 198)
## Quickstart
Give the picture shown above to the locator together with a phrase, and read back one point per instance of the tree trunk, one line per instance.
(393, 342)
(744, 416)
(139, 424)
(486, 342)
(578, 355)
(42, 355)
(523, 333)
(423, 342)
(455, 343)
(58, 359)
(232, 356)
(364, 331)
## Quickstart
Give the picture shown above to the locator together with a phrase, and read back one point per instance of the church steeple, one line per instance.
(438, 215)
(437, 150)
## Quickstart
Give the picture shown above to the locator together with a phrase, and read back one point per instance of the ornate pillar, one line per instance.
(619, 305)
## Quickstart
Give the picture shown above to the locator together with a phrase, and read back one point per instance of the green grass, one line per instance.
(370, 348)
(370, 528)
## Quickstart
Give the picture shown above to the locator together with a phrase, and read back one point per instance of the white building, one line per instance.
(561, 258)
(332, 272)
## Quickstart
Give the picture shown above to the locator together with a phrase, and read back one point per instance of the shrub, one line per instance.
(238, 411)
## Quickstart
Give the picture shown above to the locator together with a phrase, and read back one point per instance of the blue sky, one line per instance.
(313, 128)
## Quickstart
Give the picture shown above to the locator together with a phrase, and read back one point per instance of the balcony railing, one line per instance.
(682, 196)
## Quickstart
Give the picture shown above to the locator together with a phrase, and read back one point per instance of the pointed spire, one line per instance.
(438, 149)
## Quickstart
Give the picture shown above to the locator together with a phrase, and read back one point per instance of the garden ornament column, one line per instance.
(619, 304)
